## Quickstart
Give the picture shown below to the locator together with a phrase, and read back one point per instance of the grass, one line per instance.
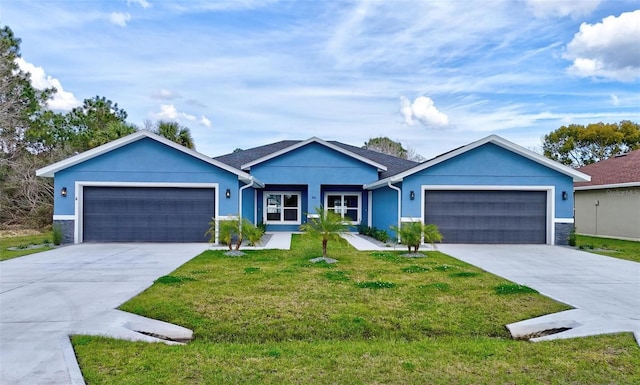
(271, 317)
(22, 243)
(618, 248)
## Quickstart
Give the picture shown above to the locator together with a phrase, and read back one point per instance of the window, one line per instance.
(347, 205)
(282, 207)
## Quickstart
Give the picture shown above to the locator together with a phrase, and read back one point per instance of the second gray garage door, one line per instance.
(488, 216)
(147, 214)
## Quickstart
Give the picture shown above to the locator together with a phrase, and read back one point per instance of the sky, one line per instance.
(434, 75)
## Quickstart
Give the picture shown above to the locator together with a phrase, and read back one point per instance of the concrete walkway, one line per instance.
(604, 291)
(48, 296)
(362, 243)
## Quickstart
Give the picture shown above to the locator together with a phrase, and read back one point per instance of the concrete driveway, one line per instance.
(45, 297)
(604, 291)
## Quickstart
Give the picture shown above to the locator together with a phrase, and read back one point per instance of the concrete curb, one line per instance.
(73, 368)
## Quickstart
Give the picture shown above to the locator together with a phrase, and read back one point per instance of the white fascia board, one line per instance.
(341, 150)
(495, 139)
(382, 182)
(606, 186)
(49, 171)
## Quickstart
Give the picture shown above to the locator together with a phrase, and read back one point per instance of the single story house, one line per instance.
(609, 205)
(145, 188)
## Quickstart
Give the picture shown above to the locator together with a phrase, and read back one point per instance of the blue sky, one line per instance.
(432, 74)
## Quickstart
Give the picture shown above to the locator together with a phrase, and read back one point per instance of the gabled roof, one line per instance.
(393, 164)
(576, 175)
(298, 144)
(618, 171)
(49, 171)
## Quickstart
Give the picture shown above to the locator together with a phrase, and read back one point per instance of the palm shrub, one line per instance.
(327, 226)
(232, 232)
(413, 234)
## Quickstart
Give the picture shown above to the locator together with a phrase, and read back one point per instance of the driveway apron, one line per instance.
(45, 297)
(604, 291)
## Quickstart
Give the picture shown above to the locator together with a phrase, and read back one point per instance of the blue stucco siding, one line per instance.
(488, 165)
(384, 208)
(145, 160)
(315, 165)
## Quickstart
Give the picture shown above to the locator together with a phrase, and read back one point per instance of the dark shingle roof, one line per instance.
(394, 164)
(618, 169)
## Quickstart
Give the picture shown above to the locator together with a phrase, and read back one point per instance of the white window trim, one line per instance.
(343, 193)
(282, 222)
(550, 190)
(79, 199)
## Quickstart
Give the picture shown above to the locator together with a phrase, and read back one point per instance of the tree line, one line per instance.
(33, 136)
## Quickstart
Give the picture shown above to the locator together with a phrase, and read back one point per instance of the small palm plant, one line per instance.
(327, 226)
(232, 232)
(413, 234)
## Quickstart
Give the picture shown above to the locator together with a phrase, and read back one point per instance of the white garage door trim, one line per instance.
(79, 188)
(550, 199)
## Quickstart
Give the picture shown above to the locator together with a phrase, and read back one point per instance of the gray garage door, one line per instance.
(488, 216)
(146, 214)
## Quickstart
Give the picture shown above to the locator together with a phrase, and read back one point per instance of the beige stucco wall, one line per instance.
(616, 215)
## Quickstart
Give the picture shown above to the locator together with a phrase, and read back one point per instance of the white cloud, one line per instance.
(143, 3)
(171, 113)
(205, 122)
(422, 110)
(609, 49)
(119, 18)
(164, 94)
(62, 100)
(615, 100)
(561, 8)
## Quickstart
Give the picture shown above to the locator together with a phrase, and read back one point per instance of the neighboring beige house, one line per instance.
(609, 205)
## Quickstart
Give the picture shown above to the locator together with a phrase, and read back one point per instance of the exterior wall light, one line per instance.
(63, 191)
(228, 193)
(412, 195)
(565, 195)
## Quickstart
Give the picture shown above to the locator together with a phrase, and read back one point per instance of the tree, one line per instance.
(413, 234)
(390, 147)
(176, 133)
(23, 197)
(96, 120)
(577, 145)
(326, 226)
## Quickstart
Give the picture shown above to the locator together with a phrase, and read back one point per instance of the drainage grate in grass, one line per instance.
(415, 269)
(173, 279)
(251, 270)
(376, 285)
(464, 274)
(513, 288)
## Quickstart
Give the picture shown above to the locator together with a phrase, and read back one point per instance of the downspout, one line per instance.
(240, 203)
(399, 206)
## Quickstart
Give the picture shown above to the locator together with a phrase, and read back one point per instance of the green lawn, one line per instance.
(23, 243)
(618, 248)
(271, 317)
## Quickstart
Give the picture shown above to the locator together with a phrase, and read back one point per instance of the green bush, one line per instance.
(58, 236)
(572, 237)
(375, 233)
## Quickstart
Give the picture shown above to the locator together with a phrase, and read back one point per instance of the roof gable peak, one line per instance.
(314, 139)
(49, 171)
